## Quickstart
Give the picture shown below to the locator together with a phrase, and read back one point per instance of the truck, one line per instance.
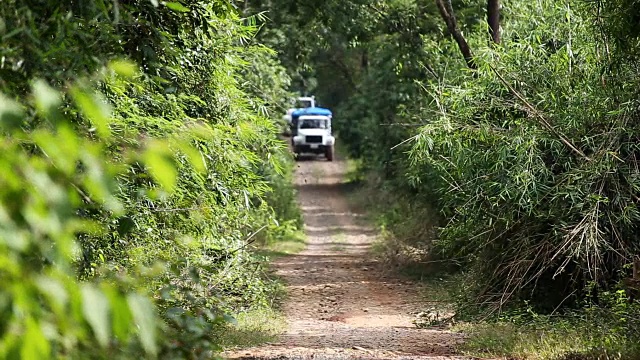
(311, 132)
(303, 102)
(306, 102)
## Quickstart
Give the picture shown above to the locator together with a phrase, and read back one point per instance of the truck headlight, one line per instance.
(298, 139)
(330, 140)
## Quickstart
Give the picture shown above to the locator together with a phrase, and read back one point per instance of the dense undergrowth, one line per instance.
(512, 160)
(140, 164)
(603, 326)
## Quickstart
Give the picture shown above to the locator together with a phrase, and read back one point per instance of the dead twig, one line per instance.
(248, 241)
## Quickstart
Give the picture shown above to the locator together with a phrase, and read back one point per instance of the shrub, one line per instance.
(137, 166)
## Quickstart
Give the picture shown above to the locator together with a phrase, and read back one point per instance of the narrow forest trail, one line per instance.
(340, 304)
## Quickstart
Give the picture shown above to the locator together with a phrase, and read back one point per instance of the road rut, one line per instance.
(341, 304)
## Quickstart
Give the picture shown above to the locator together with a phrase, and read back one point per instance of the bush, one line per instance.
(536, 178)
(139, 166)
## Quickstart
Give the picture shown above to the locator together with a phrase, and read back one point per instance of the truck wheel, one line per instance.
(329, 153)
(296, 156)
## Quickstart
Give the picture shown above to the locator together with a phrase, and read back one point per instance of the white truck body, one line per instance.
(306, 102)
(313, 135)
(301, 103)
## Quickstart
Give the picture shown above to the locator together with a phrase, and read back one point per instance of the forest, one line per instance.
(142, 161)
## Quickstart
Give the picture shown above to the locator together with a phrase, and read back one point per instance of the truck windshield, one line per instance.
(313, 124)
(303, 104)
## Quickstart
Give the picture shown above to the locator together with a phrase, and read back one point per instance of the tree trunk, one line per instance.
(493, 19)
(364, 61)
(446, 11)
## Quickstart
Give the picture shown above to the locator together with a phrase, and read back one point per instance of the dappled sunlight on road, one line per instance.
(341, 303)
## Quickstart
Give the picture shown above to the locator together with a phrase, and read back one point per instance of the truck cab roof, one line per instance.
(312, 111)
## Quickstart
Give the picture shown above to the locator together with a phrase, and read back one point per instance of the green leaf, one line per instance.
(144, 315)
(34, 344)
(95, 308)
(11, 113)
(121, 316)
(159, 160)
(47, 99)
(54, 290)
(176, 6)
(96, 109)
(124, 68)
(100, 183)
(62, 148)
(195, 157)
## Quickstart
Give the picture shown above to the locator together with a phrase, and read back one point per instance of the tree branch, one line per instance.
(446, 11)
(493, 19)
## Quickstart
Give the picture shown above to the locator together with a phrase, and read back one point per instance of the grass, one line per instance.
(263, 325)
(254, 328)
(353, 175)
(338, 248)
(293, 244)
(337, 241)
(562, 338)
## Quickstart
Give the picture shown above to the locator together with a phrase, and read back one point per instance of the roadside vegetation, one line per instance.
(140, 166)
(502, 139)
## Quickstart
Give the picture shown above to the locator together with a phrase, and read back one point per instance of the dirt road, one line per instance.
(341, 304)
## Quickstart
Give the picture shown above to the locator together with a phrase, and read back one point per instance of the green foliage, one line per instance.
(254, 328)
(618, 19)
(53, 175)
(530, 161)
(537, 179)
(138, 161)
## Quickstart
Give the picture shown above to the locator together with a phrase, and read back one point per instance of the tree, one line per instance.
(493, 19)
(446, 11)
